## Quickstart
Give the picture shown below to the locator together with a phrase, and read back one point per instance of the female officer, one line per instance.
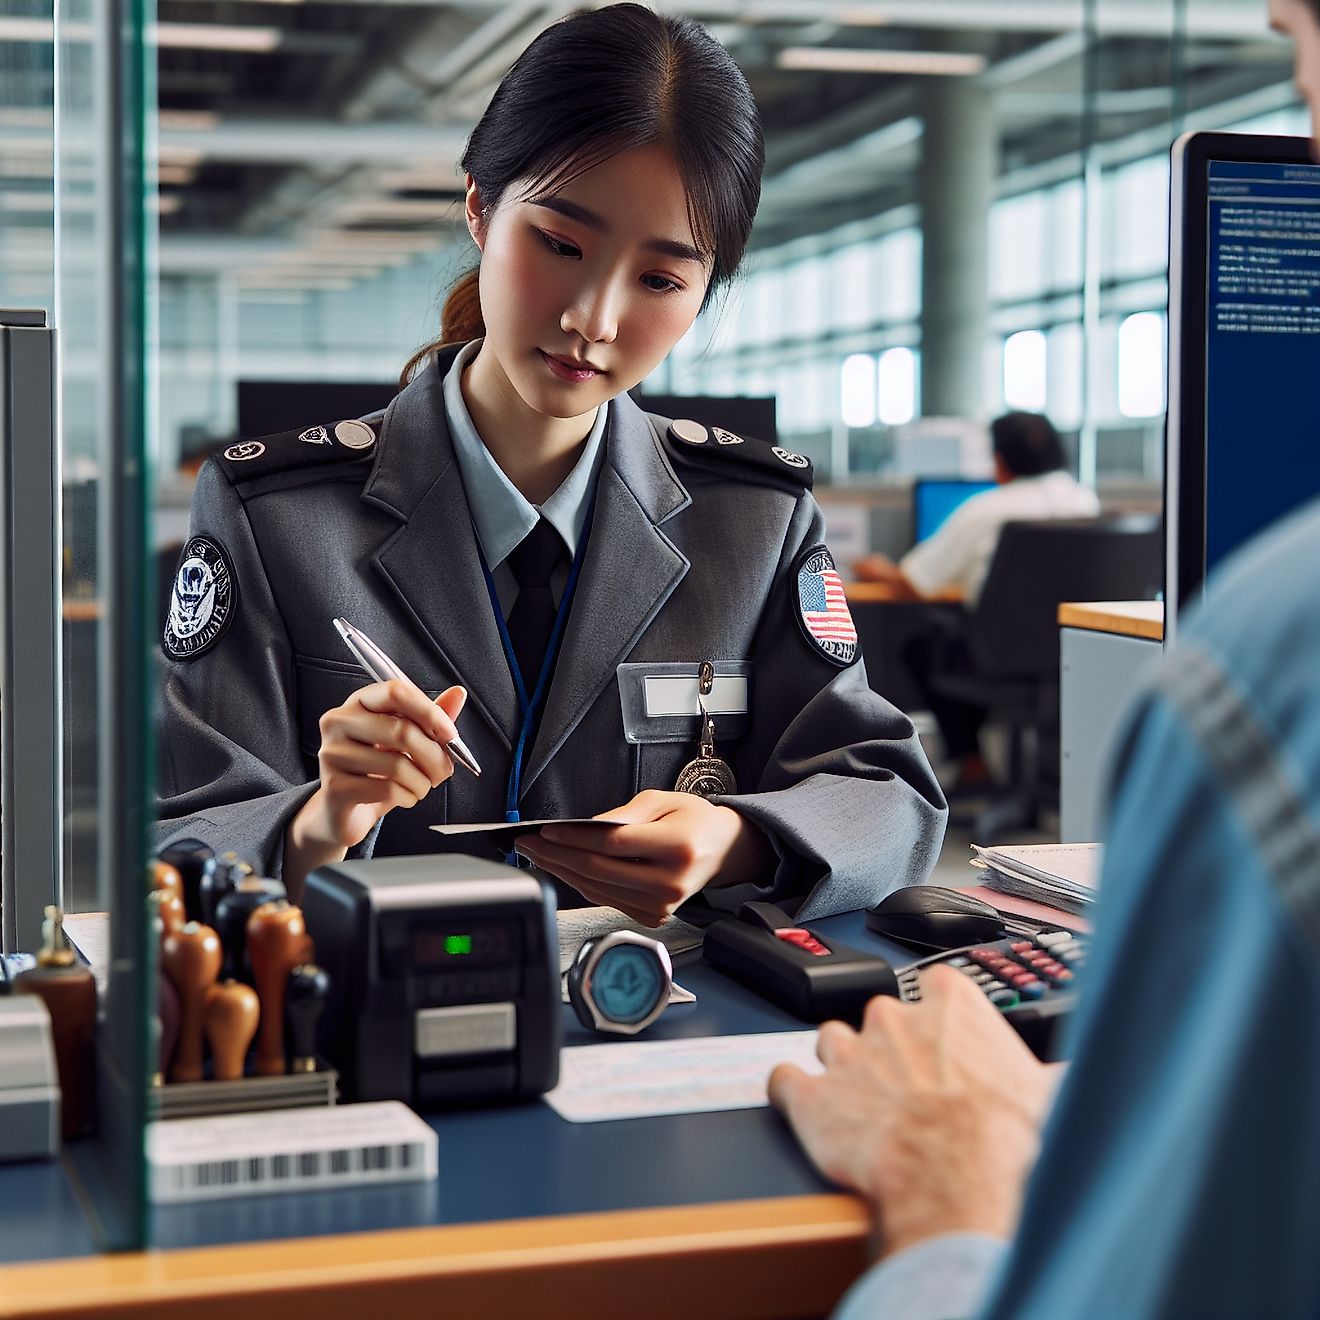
(556, 565)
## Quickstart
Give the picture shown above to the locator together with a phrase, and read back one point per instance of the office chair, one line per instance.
(1013, 637)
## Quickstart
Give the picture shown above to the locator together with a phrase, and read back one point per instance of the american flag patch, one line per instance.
(823, 607)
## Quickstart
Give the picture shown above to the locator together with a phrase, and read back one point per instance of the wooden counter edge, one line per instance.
(791, 1256)
(1129, 618)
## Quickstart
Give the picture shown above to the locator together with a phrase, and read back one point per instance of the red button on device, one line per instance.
(804, 939)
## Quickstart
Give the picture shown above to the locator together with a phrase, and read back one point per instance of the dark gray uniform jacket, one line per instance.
(692, 556)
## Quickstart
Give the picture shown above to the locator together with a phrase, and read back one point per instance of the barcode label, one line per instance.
(183, 1166)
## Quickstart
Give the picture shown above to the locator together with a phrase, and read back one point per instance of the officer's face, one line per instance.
(1297, 19)
(604, 272)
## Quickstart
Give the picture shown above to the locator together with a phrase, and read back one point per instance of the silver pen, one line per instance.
(382, 669)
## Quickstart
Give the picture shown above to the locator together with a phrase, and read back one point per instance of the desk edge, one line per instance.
(788, 1249)
(1108, 617)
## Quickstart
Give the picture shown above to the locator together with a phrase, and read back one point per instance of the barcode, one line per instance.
(220, 1173)
(310, 1167)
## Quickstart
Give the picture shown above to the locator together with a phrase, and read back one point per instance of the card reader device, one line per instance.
(445, 976)
(798, 969)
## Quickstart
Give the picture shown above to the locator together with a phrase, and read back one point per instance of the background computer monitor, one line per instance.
(935, 498)
(267, 407)
(742, 414)
(1244, 343)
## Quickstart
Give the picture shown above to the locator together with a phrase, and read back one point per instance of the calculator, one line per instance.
(1032, 980)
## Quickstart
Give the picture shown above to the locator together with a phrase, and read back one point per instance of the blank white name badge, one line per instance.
(659, 700)
(676, 694)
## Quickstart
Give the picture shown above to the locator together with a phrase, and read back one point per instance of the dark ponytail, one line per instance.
(603, 82)
(460, 321)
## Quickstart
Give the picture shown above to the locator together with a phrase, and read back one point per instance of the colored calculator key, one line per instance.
(1031, 981)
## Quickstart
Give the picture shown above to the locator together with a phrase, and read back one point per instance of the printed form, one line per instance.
(644, 1079)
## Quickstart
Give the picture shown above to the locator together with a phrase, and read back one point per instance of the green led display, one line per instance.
(458, 944)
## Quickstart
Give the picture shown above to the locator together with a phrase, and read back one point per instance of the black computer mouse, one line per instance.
(928, 917)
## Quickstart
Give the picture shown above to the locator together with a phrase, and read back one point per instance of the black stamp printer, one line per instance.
(445, 976)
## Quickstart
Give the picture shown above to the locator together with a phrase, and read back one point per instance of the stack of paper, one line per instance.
(1063, 875)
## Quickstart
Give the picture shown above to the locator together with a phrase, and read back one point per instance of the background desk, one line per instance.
(696, 1215)
(885, 625)
(1104, 649)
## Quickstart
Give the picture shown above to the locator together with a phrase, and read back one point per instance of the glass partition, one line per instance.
(80, 314)
(74, 226)
(103, 242)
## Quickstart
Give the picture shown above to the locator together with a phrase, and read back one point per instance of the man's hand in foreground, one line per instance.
(932, 1111)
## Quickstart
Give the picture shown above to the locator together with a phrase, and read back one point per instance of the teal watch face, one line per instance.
(626, 983)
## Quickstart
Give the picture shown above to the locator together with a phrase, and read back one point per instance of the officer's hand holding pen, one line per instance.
(379, 665)
(385, 747)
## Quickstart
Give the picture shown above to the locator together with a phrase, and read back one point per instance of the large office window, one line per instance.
(897, 386)
(1141, 356)
(857, 390)
(1025, 371)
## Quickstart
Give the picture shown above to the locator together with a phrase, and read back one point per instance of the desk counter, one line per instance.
(708, 1215)
(781, 1257)
(1104, 649)
(1126, 618)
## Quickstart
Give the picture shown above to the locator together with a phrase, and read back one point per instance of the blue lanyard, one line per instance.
(528, 706)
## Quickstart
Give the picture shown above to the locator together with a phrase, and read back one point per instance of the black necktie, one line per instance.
(532, 619)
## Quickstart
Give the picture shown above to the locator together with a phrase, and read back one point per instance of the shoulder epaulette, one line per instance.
(349, 441)
(714, 449)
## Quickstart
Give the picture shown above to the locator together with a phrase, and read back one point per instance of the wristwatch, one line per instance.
(619, 983)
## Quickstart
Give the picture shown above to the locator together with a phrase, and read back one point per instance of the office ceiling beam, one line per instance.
(1036, 60)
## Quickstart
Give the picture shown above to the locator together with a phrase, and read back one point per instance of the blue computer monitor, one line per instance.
(1244, 323)
(935, 498)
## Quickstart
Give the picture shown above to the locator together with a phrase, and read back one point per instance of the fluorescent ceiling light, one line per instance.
(28, 167)
(190, 36)
(26, 202)
(294, 275)
(17, 118)
(371, 260)
(29, 261)
(213, 36)
(276, 280)
(180, 157)
(27, 29)
(859, 16)
(193, 121)
(385, 240)
(834, 60)
(430, 179)
(399, 208)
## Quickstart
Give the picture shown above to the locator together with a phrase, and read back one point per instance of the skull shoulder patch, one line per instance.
(203, 602)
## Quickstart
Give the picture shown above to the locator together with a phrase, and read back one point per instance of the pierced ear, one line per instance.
(475, 211)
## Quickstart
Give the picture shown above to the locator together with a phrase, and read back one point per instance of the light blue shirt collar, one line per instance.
(500, 512)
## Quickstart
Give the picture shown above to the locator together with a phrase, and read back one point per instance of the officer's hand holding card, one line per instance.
(667, 847)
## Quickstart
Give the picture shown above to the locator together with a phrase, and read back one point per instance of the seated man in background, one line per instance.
(1177, 1174)
(1029, 467)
